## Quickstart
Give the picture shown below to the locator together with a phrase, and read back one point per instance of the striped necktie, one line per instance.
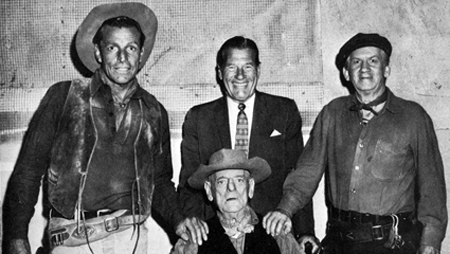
(241, 130)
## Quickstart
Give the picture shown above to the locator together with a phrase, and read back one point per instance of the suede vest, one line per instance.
(76, 139)
(257, 242)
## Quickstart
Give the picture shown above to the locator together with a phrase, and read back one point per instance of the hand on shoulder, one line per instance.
(276, 223)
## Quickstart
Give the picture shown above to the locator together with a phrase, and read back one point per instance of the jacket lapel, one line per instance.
(261, 125)
(222, 123)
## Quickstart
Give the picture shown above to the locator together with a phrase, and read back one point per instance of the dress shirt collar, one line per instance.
(233, 106)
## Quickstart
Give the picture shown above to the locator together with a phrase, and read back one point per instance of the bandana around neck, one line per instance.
(234, 228)
(368, 106)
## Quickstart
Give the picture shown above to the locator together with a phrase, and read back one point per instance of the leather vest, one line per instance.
(77, 137)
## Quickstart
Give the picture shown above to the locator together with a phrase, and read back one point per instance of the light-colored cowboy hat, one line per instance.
(230, 159)
(137, 11)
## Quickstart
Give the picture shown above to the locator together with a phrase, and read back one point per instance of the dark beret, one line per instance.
(362, 40)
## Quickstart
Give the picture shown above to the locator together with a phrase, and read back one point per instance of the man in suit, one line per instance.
(270, 129)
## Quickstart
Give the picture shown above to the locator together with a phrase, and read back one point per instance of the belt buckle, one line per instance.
(111, 224)
(377, 232)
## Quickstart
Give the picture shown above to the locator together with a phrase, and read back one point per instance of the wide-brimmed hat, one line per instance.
(136, 11)
(230, 159)
(362, 40)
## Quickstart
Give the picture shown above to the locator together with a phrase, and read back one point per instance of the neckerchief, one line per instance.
(368, 106)
(234, 228)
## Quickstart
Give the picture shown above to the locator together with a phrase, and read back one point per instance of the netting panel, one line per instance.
(36, 51)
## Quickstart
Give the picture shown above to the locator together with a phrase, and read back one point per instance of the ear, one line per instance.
(207, 187)
(258, 71)
(219, 73)
(387, 71)
(346, 74)
(142, 53)
(251, 187)
(98, 54)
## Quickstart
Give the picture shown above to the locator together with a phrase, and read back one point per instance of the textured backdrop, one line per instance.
(36, 51)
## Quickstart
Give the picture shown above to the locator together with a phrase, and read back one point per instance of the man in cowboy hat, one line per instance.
(229, 181)
(103, 145)
(380, 155)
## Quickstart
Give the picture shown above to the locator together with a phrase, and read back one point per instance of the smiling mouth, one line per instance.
(122, 70)
(240, 85)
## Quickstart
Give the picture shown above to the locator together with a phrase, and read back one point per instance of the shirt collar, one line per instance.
(249, 104)
(97, 82)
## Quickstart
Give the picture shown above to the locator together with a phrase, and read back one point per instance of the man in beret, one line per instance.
(385, 185)
(229, 182)
(103, 145)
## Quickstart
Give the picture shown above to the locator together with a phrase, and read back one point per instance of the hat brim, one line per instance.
(259, 170)
(87, 30)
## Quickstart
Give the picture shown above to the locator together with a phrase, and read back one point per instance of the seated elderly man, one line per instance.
(229, 180)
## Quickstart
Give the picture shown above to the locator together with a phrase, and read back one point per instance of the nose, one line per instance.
(231, 186)
(122, 56)
(365, 66)
(239, 73)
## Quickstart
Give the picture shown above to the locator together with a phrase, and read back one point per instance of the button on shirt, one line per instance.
(233, 111)
(375, 167)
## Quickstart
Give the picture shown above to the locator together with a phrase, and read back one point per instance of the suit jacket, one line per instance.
(206, 130)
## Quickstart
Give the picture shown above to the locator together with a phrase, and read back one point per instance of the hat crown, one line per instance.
(228, 157)
(139, 12)
(362, 40)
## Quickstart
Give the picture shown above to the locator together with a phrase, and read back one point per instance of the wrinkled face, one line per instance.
(367, 69)
(119, 54)
(231, 189)
(239, 74)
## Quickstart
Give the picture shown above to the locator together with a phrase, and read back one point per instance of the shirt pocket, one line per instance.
(389, 162)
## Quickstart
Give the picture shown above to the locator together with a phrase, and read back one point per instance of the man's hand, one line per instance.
(276, 223)
(427, 250)
(311, 241)
(19, 246)
(193, 228)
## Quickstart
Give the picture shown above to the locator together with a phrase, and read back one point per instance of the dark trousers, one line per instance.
(350, 238)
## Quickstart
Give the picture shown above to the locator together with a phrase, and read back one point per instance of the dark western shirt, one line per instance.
(376, 167)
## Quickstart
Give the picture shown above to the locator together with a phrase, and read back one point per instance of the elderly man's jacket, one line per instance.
(218, 242)
(60, 140)
(275, 136)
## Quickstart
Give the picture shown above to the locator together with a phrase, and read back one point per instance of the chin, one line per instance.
(122, 81)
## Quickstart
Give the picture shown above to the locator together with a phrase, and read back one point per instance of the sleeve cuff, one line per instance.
(288, 205)
(431, 237)
(284, 212)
